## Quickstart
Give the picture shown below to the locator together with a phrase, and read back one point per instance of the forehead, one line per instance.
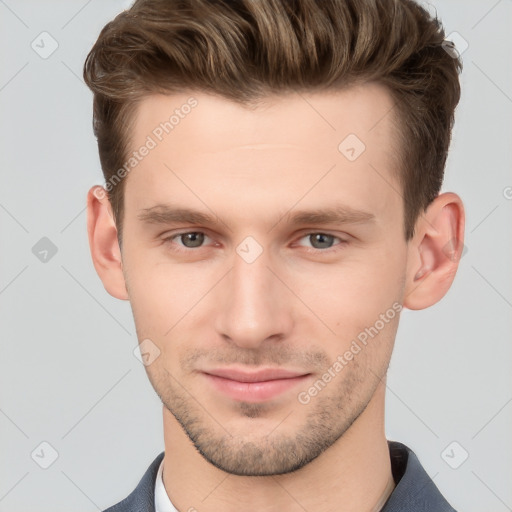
(294, 147)
(217, 123)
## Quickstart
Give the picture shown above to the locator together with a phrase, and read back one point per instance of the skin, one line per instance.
(298, 306)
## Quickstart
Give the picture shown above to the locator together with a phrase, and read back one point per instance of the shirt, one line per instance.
(162, 501)
(414, 491)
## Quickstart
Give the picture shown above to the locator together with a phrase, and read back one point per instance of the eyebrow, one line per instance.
(340, 214)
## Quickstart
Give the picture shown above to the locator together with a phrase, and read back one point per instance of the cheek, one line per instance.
(160, 290)
(353, 293)
(348, 296)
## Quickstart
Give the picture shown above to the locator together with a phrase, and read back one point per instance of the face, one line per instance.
(264, 257)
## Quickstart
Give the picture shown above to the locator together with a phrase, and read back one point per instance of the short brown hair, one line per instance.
(246, 49)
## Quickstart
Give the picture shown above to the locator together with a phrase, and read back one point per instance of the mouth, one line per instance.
(257, 386)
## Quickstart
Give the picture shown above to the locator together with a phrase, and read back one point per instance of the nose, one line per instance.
(253, 304)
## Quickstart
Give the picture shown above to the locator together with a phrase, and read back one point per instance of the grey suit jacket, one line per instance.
(414, 492)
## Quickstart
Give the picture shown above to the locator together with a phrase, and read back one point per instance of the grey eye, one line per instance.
(321, 240)
(191, 240)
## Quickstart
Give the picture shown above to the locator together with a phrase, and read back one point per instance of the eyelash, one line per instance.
(311, 250)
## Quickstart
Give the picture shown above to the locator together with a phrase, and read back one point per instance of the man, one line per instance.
(271, 204)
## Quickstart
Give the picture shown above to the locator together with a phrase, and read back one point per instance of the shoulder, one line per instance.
(142, 498)
(414, 489)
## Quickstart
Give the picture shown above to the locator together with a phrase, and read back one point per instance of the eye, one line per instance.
(322, 242)
(189, 240)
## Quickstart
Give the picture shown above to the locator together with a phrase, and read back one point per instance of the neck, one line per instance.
(353, 474)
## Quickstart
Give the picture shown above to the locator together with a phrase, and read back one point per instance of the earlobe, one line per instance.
(435, 252)
(103, 243)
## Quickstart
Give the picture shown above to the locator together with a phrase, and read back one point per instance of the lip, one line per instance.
(256, 386)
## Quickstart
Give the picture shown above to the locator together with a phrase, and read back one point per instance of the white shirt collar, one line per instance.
(162, 501)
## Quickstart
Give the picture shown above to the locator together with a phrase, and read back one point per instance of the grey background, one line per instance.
(68, 375)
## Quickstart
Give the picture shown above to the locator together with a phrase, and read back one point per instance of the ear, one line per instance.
(103, 243)
(434, 252)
